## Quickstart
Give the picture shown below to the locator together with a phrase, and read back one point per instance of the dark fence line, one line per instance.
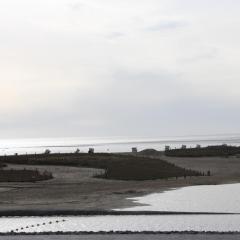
(40, 213)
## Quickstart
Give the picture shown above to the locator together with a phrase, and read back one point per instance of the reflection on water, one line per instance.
(163, 223)
(210, 198)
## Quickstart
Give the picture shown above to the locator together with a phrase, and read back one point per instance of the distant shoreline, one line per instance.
(110, 145)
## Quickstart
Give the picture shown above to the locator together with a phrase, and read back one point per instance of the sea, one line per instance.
(110, 144)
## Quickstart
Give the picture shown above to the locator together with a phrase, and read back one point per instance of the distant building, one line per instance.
(167, 148)
(198, 146)
(134, 150)
(91, 151)
(183, 147)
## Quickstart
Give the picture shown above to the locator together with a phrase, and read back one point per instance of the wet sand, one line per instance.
(75, 188)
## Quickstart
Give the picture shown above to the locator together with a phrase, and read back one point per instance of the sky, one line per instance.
(139, 68)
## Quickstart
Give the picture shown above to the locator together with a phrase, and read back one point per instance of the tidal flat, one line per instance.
(77, 187)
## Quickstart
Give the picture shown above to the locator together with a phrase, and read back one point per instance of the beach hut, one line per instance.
(134, 150)
(91, 151)
(167, 148)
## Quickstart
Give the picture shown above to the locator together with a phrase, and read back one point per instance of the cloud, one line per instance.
(115, 35)
(166, 25)
(207, 53)
(76, 6)
(104, 68)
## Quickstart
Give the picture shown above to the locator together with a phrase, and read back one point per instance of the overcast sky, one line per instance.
(143, 68)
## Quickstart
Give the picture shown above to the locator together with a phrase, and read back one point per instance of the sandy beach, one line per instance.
(75, 188)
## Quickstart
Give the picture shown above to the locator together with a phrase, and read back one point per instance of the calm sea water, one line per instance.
(38, 145)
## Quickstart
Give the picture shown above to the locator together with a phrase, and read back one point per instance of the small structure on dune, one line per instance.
(91, 151)
(77, 151)
(184, 147)
(134, 150)
(198, 146)
(167, 148)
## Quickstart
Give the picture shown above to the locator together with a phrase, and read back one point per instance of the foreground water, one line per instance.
(209, 198)
(133, 223)
(212, 199)
(117, 144)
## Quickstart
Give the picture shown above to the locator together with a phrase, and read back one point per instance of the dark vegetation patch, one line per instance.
(210, 151)
(119, 167)
(2, 165)
(23, 176)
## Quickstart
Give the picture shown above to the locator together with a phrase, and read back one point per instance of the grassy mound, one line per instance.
(120, 167)
(149, 152)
